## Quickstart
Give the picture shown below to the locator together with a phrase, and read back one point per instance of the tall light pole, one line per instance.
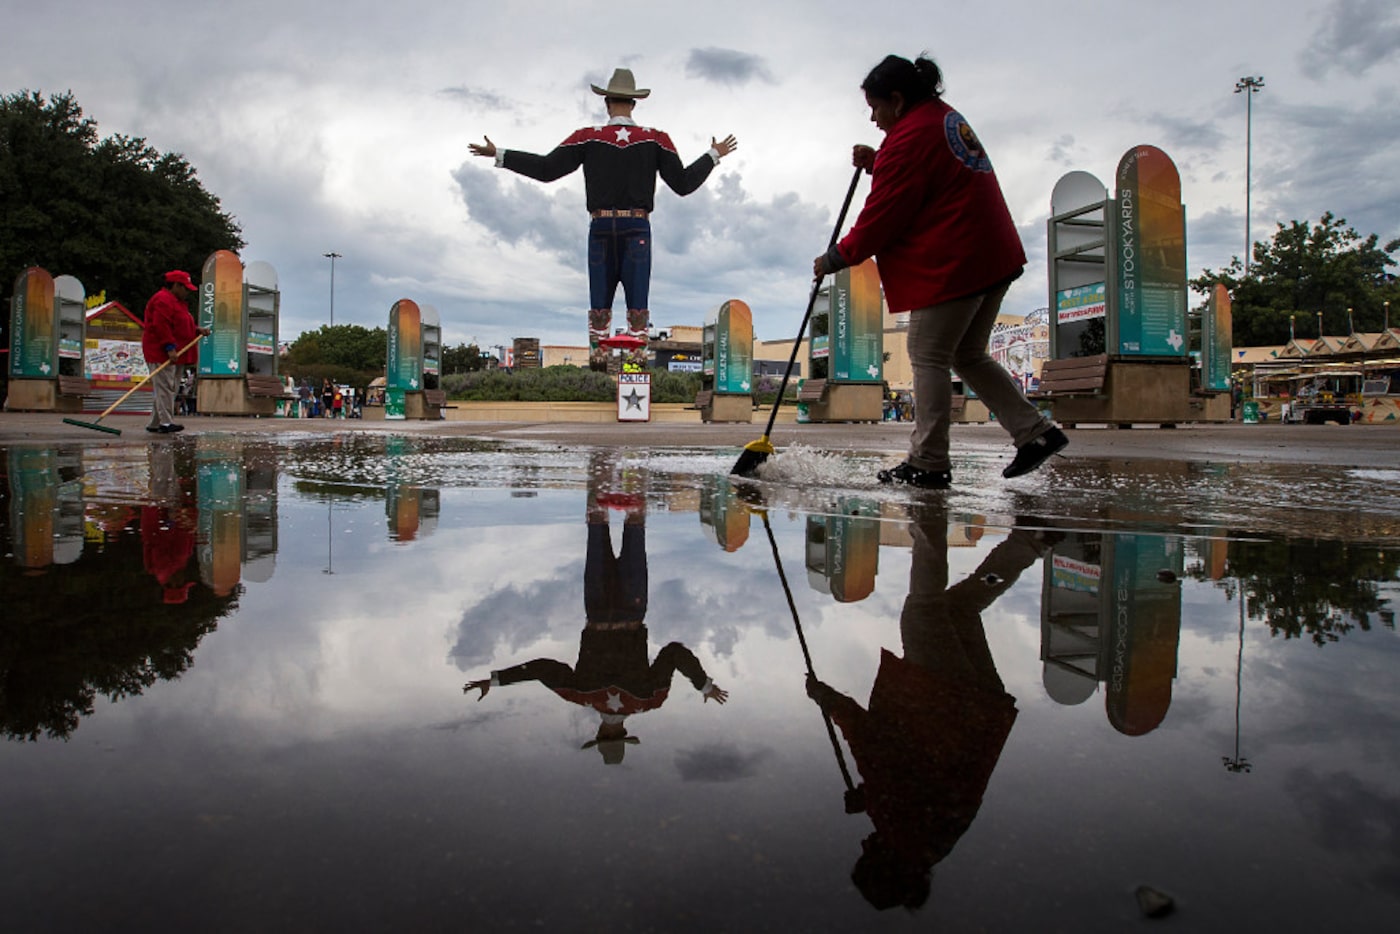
(332, 256)
(1250, 86)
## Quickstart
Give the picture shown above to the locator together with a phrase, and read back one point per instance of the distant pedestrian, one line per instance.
(304, 397)
(337, 403)
(327, 396)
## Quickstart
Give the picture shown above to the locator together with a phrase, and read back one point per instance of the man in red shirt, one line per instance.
(168, 328)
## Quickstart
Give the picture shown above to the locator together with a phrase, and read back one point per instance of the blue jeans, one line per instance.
(619, 252)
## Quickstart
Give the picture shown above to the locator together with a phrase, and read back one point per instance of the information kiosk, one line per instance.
(48, 324)
(726, 369)
(412, 386)
(1119, 335)
(238, 360)
(846, 351)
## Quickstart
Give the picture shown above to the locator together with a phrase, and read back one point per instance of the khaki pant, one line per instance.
(163, 387)
(954, 336)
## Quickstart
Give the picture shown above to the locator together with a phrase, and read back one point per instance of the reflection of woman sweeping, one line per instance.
(937, 719)
(613, 674)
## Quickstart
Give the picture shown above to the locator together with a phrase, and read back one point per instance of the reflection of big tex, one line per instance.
(613, 675)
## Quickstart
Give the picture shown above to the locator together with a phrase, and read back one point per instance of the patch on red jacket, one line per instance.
(966, 147)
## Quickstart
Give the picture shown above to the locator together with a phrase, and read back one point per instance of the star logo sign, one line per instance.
(614, 701)
(624, 135)
(633, 399)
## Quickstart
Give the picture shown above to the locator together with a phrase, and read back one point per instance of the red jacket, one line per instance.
(935, 219)
(168, 326)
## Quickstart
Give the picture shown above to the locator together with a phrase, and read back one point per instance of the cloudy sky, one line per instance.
(345, 128)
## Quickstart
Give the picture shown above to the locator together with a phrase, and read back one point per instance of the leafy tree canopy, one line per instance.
(1304, 271)
(113, 212)
(343, 345)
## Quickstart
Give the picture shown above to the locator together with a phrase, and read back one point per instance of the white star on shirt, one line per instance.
(624, 135)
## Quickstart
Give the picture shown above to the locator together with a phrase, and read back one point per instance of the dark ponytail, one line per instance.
(915, 81)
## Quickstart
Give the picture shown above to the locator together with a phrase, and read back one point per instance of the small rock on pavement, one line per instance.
(1154, 903)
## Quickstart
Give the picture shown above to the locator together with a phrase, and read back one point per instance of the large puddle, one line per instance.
(233, 691)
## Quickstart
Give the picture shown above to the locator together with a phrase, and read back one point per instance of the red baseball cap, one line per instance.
(180, 277)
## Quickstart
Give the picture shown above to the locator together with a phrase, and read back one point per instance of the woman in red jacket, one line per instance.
(947, 250)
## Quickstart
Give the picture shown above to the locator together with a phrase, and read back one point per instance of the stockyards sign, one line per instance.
(1150, 245)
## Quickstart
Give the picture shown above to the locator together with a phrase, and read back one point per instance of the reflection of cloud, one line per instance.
(516, 616)
(1355, 819)
(718, 763)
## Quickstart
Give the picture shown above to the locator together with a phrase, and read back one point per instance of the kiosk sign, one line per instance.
(33, 326)
(857, 334)
(1149, 227)
(221, 311)
(1080, 303)
(405, 352)
(733, 348)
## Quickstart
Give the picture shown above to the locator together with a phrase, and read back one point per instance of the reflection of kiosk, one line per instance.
(238, 360)
(220, 488)
(724, 513)
(46, 514)
(846, 351)
(1109, 615)
(47, 340)
(726, 371)
(1119, 337)
(843, 550)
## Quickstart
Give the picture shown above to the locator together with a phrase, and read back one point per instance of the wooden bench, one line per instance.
(812, 391)
(266, 387)
(73, 385)
(703, 398)
(1072, 376)
(435, 397)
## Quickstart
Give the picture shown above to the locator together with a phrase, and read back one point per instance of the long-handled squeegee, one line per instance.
(111, 408)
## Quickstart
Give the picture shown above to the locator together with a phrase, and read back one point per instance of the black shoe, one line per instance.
(907, 473)
(170, 429)
(153, 428)
(1035, 452)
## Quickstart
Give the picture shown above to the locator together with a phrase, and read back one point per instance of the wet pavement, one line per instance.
(234, 666)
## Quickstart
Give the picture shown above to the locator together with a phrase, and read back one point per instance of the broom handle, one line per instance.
(811, 303)
(145, 379)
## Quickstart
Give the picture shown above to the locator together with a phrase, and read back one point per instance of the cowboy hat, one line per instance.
(622, 84)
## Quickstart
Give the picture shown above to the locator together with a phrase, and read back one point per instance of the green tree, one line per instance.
(1302, 271)
(464, 358)
(342, 345)
(113, 212)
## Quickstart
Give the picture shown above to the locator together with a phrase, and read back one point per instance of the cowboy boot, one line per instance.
(599, 325)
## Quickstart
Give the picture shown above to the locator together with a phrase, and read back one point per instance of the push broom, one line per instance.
(756, 452)
(111, 408)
